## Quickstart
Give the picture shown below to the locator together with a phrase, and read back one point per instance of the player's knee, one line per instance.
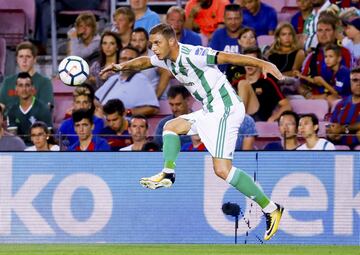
(221, 172)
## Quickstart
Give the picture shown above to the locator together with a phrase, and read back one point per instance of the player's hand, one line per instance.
(113, 67)
(271, 69)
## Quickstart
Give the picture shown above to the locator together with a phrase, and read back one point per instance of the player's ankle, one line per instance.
(168, 170)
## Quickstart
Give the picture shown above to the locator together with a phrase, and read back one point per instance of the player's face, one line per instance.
(306, 127)
(247, 39)
(24, 88)
(232, 21)
(82, 102)
(39, 138)
(109, 46)
(139, 41)
(122, 23)
(114, 121)
(287, 126)
(176, 21)
(138, 129)
(25, 60)
(355, 84)
(331, 59)
(160, 46)
(178, 105)
(286, 38)
(83, 129)
(325, 33)
(252, 5)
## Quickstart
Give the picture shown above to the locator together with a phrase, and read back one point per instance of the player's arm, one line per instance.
(244, 60)
(138, 64)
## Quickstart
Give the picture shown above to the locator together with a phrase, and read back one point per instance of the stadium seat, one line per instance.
(322, 128)
(13, 26)
(63, 99)
(267, 129)
(265, 40)
(164, 107)
(357, 148)
(2, 58)
(196, 106)
(277, 5)
(153, 122)
(319, 107)
(342, 147)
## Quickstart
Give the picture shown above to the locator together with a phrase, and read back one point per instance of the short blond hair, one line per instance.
(89, 19)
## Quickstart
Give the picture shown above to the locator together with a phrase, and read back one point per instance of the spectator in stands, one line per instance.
(126, 87)
(308, 129)
(124, 20)
(195, 145)
(43, 16)
(345, 119)
(23, 114)
(298, 20)
(83, 98)
(226, 38)
(179, 99)
(246, 39)
(247, 134)
(83, 39)
(138, 130)
(260, 16)
(175, 17)
(285, 52)
(26, 54)
(288, 127)
(311, 24)
(144, 17)
(8, 141)
(151, 147)
(41, 138)
(116, 129)
(335, 80)
(352, 39)
(262, 96)
(83, 125)
(110, 46)
(315, 61)
(205, 16)
(158, 77)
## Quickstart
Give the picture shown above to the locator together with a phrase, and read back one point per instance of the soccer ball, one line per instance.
(73, 70)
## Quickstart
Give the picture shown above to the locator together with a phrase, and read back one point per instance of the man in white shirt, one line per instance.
(138, 130)
(308, 129)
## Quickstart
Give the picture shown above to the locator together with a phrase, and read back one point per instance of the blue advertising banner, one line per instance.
(96, 197)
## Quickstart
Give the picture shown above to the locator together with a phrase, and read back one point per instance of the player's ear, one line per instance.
(172, 41)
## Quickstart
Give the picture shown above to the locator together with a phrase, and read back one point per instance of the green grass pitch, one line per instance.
(173, 249)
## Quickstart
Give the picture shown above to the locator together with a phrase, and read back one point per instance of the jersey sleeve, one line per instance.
(201, 56)
(157, 62)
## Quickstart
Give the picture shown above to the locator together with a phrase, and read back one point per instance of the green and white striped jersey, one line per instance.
(196, 69)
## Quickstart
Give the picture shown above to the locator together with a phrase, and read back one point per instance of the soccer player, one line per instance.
(217, 123)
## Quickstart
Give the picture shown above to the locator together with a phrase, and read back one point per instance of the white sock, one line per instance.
(168, 170)
(270, 207)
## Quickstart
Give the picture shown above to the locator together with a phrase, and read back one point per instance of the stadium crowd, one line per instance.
(314, 43)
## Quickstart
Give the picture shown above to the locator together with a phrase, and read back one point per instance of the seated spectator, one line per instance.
(41, 138)
(298, 20)
(247, 134)
(175, 17)
(260, 16)
(195, 145)
(144, 17)
(262, 96)
(179, 99)
(83, 40)
(158, 77)
(8, 141)
(345, 119)
(110, 46)
(126, 87)
(285, 52)
(246, 39)
(26, 55)
(352, 40)
(116, 129)
(83, 98)
(226, 38)
(205, 16)
(138, 130)
(308, 129)
(23, 114)
(83, 125)
(124, 20)
(288, 127)
(335, 82)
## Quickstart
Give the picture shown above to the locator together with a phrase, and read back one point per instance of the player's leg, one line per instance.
(171, 149)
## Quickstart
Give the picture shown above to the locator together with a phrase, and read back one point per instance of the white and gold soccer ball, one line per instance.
(73, 70)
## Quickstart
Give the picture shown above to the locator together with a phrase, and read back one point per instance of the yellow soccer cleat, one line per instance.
(158, 181)
(273, 221)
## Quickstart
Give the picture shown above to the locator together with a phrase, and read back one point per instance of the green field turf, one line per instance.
(162, 249)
